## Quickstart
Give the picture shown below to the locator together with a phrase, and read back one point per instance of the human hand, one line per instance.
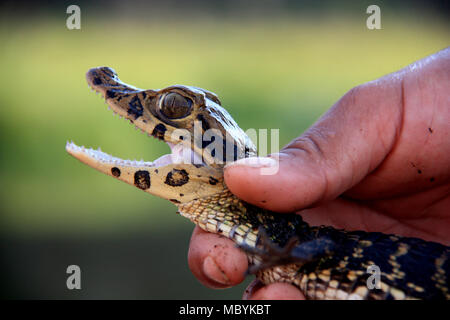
(378, 160)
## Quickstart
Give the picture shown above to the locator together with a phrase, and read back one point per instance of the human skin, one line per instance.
(378, 160)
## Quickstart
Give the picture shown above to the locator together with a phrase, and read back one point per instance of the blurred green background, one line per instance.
(274, 64)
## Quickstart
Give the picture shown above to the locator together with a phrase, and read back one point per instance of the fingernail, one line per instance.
(213, 272)
(254, 162)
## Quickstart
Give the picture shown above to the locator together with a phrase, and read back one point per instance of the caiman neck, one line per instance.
(224, 213)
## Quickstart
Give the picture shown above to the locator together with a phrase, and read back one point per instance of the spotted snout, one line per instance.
(105, 80)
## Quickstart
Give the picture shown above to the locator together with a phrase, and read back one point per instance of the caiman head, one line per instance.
(201, 134)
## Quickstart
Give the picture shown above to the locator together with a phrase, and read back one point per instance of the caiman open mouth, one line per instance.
(198, 130)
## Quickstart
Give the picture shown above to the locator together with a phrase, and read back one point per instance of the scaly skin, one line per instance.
(323, 262)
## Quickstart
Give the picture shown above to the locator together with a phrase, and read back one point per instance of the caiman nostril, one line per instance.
(105, 71)
(98, 76)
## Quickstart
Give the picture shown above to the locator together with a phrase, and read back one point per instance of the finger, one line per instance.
(273, 291)
(215, 261)
(367, 129)
(332, 156)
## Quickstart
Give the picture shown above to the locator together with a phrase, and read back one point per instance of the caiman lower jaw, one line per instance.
(167, 177)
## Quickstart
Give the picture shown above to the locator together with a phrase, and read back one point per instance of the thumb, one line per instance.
(336, 153)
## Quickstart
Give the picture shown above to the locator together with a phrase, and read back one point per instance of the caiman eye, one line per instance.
(175, 106)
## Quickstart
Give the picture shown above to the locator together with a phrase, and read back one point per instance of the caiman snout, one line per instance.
(102, 79)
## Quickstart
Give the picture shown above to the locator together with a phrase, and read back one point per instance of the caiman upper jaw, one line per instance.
(104, 80)
(164, 113)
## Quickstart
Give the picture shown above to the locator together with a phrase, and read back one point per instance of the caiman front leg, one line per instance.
(273, 255)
